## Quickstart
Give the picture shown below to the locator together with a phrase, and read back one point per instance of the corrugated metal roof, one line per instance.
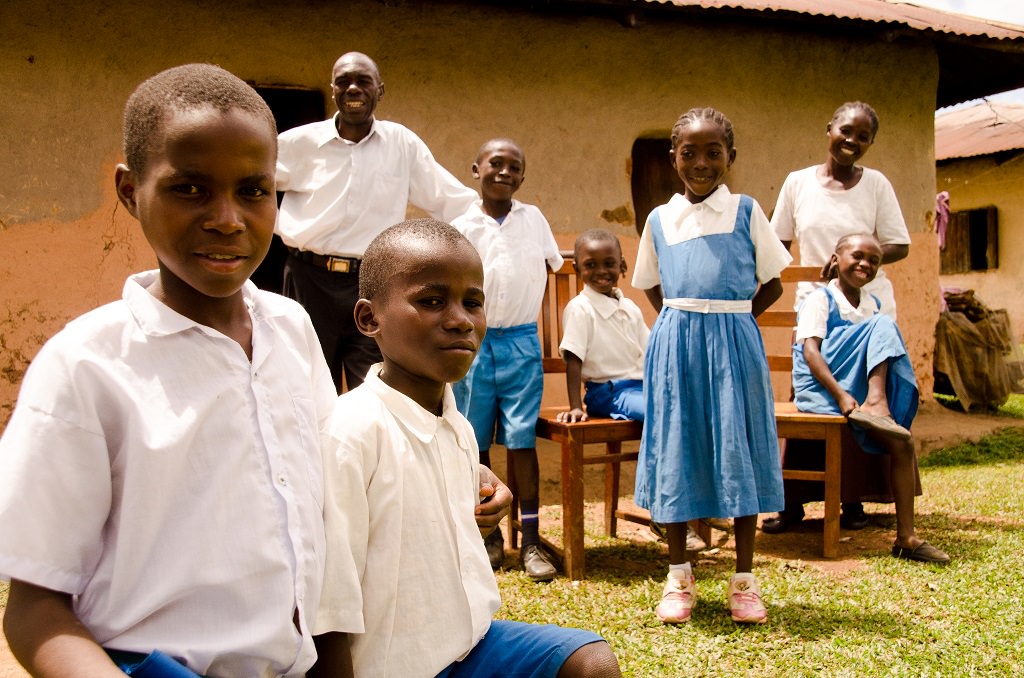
(989, 127)
(878, 11)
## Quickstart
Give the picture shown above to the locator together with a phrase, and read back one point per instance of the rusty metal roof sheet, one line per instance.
(986, 128)
(878, 11)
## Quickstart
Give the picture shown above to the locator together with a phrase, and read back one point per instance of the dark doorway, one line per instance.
(654, 178)
(291, 107)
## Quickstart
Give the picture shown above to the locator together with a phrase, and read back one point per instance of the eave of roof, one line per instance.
(984, 129)
(977, 57)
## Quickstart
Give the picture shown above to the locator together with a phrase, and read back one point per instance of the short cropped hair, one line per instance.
(383, 257)
(864, 108)
(695, 114)
(180, 89)
(499, 140)
(597, 235)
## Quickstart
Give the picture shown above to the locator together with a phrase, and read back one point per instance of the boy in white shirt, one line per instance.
(502, 392)
(162, 484)
(604, 336)
(407, 589)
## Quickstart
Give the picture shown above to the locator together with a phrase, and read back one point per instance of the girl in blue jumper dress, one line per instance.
(850, 359)
(709, 262)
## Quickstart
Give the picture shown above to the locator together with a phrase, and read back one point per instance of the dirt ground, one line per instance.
(935, 427)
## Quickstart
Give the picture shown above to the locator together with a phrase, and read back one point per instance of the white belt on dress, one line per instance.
(710, 305)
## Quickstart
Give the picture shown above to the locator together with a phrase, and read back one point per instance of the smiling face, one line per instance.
(599, 264)
(356, 88)
(206, 203)
(850, 135)
(856, 261)
(430, 321)
(500, 167)
(702, 158)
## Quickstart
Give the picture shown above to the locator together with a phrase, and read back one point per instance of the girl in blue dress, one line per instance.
(850, 359)
(709, 262)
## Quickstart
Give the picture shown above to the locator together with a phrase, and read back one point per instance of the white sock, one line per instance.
(680, 571)
(744, 575)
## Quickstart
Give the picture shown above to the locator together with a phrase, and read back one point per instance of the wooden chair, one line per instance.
(611, 433)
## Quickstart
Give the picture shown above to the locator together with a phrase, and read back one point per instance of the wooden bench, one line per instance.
(611, 434)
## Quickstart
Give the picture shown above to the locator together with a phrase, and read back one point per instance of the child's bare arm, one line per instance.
(766, 295)
(48, 639)
(333, 657)
(893, 253)
(495, 501)
(655, 296)
(819, 368)
(573, 382)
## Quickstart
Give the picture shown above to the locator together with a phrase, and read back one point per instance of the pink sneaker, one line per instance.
(745, 600)
(677, 600)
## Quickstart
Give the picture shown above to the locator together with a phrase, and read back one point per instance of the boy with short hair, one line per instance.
(504, 386)
(407, 588)
(604, 336)
(160, 492)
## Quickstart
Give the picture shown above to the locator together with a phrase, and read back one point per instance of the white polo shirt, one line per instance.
(339, 195)
(173, 486)
(407, 572)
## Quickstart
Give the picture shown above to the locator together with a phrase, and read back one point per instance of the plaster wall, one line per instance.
(574, 91)
(975, 183)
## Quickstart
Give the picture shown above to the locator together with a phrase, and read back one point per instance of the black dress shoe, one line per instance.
(782, 522)
(537, 563)
(495, 545)
(853, 517)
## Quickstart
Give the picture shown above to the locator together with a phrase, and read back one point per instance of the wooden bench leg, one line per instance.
(513, 513)
(702, 529)
(572, 507)
(611, 490)
(833, 477)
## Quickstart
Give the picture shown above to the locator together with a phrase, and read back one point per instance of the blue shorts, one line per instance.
(503, 388)
(617, 399)
(518, 650)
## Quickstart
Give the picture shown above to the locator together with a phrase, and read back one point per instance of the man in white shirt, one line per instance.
(345, 180)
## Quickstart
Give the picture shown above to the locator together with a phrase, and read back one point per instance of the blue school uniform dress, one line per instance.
(709, 446)
(851, 350)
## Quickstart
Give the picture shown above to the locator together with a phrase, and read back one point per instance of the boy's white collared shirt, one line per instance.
(407, 572)
(608, 334)
(173, 485)
(516, 255)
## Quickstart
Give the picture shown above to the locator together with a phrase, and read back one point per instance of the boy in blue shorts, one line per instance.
(503, 389)
(604, 336)
(407, 588)
(162, 486)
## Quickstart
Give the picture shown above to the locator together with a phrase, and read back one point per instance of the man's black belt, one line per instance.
(332, 264)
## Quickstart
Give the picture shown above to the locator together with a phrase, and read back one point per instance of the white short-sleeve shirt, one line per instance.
(407, 572)
(607, 333)
(817, 217)
(516, 254)
(173, 486)
(339, 195)
(682, 220)
(812, 318)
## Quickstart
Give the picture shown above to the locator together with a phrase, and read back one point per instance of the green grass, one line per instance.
(1013, 407)
(877, 617)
